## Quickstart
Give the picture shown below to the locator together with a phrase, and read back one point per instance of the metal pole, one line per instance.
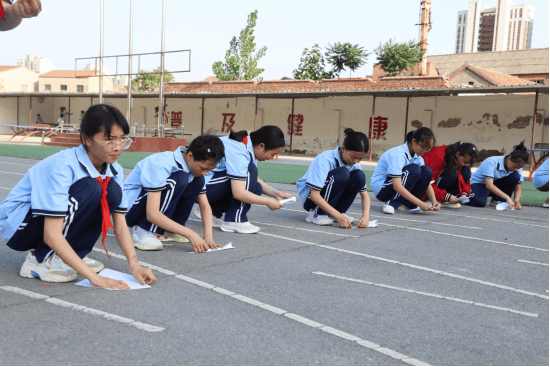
(531, 163)
(129, 110)
(202, 117)
(291, 126)
(255, 113)
(161, 102)
(370, 127)
(101, 54)
(30, 111)
(406, 118)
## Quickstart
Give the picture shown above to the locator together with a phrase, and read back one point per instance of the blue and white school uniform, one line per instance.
(62, 185)
(240, 164)
(166, 172)
(540, 178)
(398, 162)
(338, 183)
(495, 168)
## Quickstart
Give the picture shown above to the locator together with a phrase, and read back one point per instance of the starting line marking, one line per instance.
(532, 262)
(506, 309)
(305, 321)
(109, 316)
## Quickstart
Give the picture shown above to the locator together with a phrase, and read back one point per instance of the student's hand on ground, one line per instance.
(425, 207)
(343, 221)
(511, 204)
(363, 222)
(453, 199)
(274, 204)
(436, 206)
(143, 275)
(282, 195)
(210, 243)
(27, 8)
(517, 205)
(102, 282)
(199, 245)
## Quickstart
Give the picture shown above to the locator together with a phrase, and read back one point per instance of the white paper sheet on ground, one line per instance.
(373, 224)
(503, 206)
(415, 210)
(226, 247)
(464, 199)
(116, 275)
(288, 201)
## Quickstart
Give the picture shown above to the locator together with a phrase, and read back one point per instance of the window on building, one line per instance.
(24, 87)
(539, 81)
(471, 84)
(63, 87)
(80, 88)
(48, 87)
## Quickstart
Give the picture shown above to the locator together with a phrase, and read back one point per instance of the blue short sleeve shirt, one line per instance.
(391, 165)
(317, 172)
(152, 172)
(493, 167)
(540, 178)
(237, 158)
(45, 188)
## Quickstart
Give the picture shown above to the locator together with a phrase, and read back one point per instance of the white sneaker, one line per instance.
(428, 202)
(52, 269)
(350, 218)
(93, 264)
(216, 222)
(403, 208)
(239, 227)
(172, 237)
(388, 209)
(323, 220)
(495, 202)
(545, 205)
(311, 216)
(145, 240)
(451, 206)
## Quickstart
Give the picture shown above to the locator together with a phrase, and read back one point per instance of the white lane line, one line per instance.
(5, 188)
(434, 271)
(109, 316)
(13, 173)
(427, 294)
(394, 218)
(17, 164)
(466, 237)
(305, 321)
(309, 230)
(532, 262)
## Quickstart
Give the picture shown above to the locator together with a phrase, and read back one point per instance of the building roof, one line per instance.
(493, 77)
(8, 67)
(68, 74)
(534, 61)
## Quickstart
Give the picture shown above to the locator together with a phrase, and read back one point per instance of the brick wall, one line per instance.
(533, 77)
(431, 70)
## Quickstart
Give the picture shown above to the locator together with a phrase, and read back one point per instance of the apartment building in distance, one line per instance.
(39, 65)
(504, 27)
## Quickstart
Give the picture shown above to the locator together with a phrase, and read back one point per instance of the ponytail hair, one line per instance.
(463, 149)
(271, 136)
(207, 147)
(420, 135)
(355, 141)
(237, 136)
(520, 153)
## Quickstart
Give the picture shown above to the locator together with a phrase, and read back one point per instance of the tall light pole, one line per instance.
(424, 29)
(101, 53)
(129, 110)
(161, 99)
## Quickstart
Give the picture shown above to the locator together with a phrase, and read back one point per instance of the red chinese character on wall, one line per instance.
(378, 127)
(295, 127)
(176, 118)
(228, 125)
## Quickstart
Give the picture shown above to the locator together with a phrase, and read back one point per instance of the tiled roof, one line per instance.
(534, 61)
(8, 67)
(68, 74)
(491, 76)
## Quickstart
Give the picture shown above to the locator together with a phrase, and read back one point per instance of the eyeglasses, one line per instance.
(425, 148)
(110, 144)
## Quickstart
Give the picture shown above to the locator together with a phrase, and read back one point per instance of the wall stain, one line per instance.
(451, 122)
(487, 116)
(521, 122)
(418, 124)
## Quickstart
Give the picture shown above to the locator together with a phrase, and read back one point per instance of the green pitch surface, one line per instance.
(270, 171)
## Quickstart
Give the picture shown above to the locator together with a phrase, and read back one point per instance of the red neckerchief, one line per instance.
(2, 12)
(105, 212)
(245, 140)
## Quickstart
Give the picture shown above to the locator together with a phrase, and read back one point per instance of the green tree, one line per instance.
(397, 57)
(312, 65)
(345, 55)
(150, 81)
(240, 60)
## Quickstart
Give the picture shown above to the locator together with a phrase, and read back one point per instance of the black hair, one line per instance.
(420, 135)
(102, 115)
(355, 141)
(271, 136)
(463, 149)
(520, 152)
(82, 111)
(207, 147)
(61, 115)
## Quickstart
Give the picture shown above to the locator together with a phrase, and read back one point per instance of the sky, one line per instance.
(70, 29)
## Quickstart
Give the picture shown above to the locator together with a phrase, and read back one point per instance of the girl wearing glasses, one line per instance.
(162, 189)
(451, 171)
(333, 180)
(401, 178)
(64, 203)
